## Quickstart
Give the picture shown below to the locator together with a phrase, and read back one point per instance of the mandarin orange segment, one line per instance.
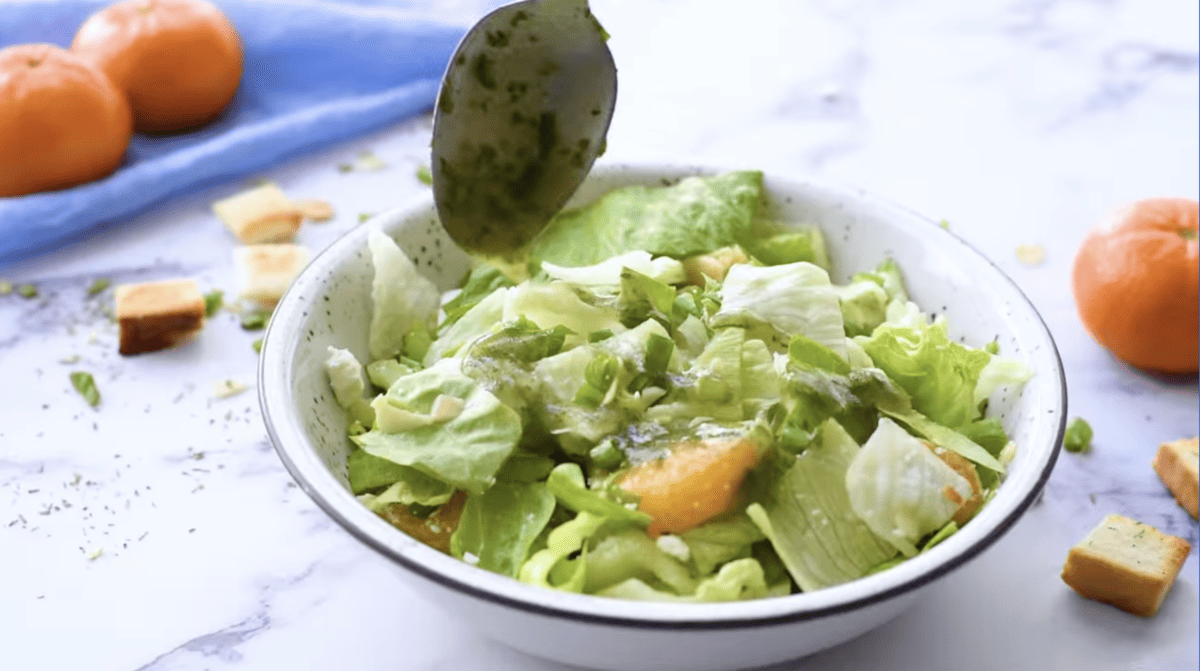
(179, 61)
(1136, 281)
(435, 530)
(698, 481)
(62, 122)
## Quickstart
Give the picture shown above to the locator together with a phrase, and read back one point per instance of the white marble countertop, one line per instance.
(160, 531)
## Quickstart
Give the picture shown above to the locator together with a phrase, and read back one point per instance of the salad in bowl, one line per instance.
(670, 400)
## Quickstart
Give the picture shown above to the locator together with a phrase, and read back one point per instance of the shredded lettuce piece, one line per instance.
(499, 526)
(810, 521)
(401, 296)
(696, 215)
(778, 302)
(898, 487)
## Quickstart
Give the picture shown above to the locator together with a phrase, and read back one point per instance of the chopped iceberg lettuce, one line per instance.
(465, 450)
(901, 489)
(696, 215)
(783, 301)
(401, 296)
(498, 526)
(810, 521)
(608, 272)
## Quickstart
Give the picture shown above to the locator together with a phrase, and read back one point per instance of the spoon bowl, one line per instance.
(521, 116)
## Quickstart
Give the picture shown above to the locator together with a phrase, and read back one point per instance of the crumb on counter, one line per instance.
(315, 209)
(1031, 255)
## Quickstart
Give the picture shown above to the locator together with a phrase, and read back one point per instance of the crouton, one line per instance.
(967, 508)
(266, 271)
(1177, 465)
(259, 215)
(715, 264)
(156, 315)
(314, 209)
(1127, 564)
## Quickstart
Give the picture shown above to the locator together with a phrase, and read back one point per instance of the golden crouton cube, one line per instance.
(1178, 465)
(157, 315)
(259, 215)
(1127, 564)
(715, 264)
(266, 271)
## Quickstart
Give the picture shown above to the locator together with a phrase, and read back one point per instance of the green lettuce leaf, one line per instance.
(897, 486)
(715, 543)
(478, 320)
(777, 302)
(697, 215)
(349, 383)
(775, 244)
(939, 375)
(567, 484)
(466, 450)
(401, 296)
(810, 521)
(608, 272)
(479, 284)
(498, 527)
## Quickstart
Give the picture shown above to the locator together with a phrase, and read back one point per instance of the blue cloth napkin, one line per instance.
(315, 74)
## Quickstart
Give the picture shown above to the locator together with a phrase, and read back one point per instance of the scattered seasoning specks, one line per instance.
(85, 384)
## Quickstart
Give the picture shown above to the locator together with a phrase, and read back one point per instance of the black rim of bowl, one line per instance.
(713, 623)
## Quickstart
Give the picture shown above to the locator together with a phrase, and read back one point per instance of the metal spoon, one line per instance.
(521, 116)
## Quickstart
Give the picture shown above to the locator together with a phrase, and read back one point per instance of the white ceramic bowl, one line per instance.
(329, 304)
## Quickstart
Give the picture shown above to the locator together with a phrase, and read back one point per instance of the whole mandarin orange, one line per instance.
(62, 122)
(179, 61)
(1136, 281)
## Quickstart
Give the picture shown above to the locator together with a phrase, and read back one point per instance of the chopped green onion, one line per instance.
(213, 301)
(1078, 437)
(85, 384)
(98, 286)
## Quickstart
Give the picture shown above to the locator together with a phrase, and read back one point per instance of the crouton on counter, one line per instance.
(259, 215)
(156, 315)
(1127, 564)
(266, 271)
(1178, 465)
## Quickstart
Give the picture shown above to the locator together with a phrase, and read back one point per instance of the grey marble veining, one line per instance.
(159, 532)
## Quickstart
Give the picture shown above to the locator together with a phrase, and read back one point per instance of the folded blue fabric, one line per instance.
(315, 74)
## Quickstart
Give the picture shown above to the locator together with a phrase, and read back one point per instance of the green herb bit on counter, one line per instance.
(425, 175)
(363, 216)
(255, 319)
(98, 286)
(213, 301)
(1079, 436)
(257, 345)
(85, 384)
(27, 291)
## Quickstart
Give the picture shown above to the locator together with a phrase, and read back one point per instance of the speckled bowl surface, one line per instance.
(329, 304)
